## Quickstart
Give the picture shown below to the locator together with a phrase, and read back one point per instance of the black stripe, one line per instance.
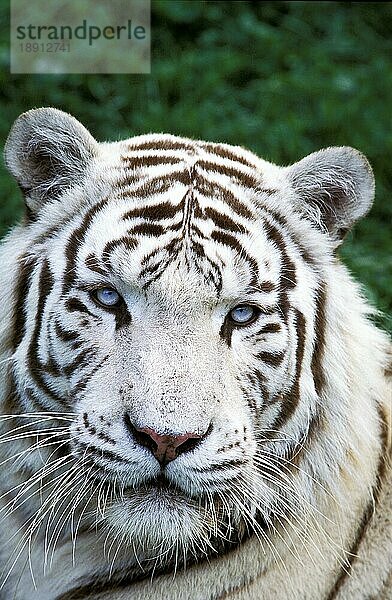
(229, 240)
(291, 399)
(152, 160)
(88, 425)
(12, 404)
(222, 151)
(75, 305)
(213, 467)
(128, 243)
(189, 208)
(64, 334)
(105, 438)
(383, 462)
(151, 269)
(52, 367)
(226, 332)
(222, 221)
(92, 262)
(213, 189)
(288, 273)
(172, 248)
(196, 230)
(155, 185)
(149, 229)
(154, 271)
(273, 359)
(99, 434)
(156, 212)
(60, 226)
(148, 257)
(122, 316)
(288, 278)
(79, 360)
(269, 328)
(76, 240)
(257, 381)
(80, 385)
(213, 275)
(162, 145)
(35, 400)
(26, 266)
(45, 286)
(249, 180)
(100, 452)
(266, 287)
(282, 221)
(319, 341)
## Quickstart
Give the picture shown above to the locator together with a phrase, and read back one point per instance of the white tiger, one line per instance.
(195, 404)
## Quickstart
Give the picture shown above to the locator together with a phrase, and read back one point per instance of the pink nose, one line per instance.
(166, 448)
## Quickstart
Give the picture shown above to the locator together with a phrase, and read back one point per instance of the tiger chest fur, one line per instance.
(195, 404)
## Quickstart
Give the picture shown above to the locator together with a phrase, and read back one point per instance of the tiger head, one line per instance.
(172, 303)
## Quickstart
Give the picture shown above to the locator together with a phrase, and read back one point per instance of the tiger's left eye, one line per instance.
(107, 297)
(243, 314)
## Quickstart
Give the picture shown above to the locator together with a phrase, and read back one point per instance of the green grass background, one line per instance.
(281, 78)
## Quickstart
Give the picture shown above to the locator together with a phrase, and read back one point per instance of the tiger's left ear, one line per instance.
(335, 187)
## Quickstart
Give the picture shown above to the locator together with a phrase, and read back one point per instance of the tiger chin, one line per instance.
(195, 402)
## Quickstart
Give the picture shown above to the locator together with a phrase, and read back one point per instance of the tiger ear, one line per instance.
(47, 151)
(335, 187)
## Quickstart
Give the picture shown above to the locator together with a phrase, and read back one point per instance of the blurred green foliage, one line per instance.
(281, 78)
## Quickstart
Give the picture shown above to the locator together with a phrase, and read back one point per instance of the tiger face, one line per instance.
(173, 303)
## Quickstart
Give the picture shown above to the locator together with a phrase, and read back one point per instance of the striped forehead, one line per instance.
(184, 207)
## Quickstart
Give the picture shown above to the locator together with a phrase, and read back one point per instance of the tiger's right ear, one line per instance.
(47, 151)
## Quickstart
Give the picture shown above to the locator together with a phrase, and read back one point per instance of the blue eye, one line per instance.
(243, 314)
(107, 297)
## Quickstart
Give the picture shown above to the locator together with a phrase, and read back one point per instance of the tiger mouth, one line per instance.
(161, 482)
(161, 487)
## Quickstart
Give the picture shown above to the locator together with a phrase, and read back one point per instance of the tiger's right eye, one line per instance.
(244, 314)
(107, 297)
